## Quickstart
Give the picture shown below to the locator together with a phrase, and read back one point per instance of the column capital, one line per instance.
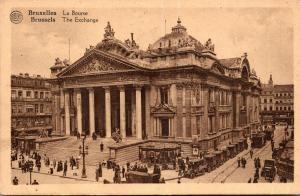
(138, 86)
(77, 90)
(121, 87)
(91, 89)
(106, 88)
(66, 90)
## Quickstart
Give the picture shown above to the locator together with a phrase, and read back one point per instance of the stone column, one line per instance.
(107, 112)
(67, 111)
(62, 98)
(179, 101)
(92, 110)
(148, 111)
(122, 112)
(57, 114)
(204, 130)
(237, 108)
(79, 110)
(138, 106)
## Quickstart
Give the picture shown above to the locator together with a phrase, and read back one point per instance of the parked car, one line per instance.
(269, 170)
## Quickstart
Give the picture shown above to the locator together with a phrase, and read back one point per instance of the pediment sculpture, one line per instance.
(97, 66)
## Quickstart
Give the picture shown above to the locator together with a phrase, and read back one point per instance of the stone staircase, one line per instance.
(64, 149)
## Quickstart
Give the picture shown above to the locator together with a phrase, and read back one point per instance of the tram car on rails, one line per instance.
(269, 132)
(196, 167)
(258, 140)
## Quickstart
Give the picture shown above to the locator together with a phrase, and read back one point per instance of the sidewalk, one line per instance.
(90, 171)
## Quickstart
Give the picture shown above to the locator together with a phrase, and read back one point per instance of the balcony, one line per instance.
(30, 99)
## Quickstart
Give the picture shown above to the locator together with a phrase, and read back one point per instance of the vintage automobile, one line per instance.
(211, 162)
(196, 167)
(269, 170)
(218, 158)
(141, 177)
(232, 150)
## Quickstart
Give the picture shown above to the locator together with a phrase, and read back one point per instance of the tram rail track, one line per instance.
(228, 171)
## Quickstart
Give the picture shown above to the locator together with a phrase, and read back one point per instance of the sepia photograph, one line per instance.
(163, 94)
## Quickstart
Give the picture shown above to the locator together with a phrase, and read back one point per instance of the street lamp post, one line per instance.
(84, 151)
(30, 170)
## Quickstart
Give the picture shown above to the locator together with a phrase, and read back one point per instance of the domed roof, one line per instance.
(177, 38)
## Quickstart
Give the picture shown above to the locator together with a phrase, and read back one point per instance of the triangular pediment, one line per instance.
(163, 109)
(97, 63)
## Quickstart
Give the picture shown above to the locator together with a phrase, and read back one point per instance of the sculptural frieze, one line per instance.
(99, 65)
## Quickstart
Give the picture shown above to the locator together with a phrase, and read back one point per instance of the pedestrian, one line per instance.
(101, 146)
(249, 181)
(251, 153)
(38, 164)
(258, 163)
(239, 161)
(54, 163)
(65, 169)
(256, 175)
(15, 181)
(97, 174)
(128, 166)
(255, 180)
(187, 160)
(123, 172)
(51, 168)
(77, 163)
(35, 182)
(100, 170)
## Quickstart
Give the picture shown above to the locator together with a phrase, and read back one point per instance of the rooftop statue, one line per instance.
(57, 61)
(109, 32)
(209, 45)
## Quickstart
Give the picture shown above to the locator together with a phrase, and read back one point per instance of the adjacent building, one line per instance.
(31, 105)
(277, 103)
(177, 89)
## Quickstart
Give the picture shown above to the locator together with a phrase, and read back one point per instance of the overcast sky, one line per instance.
(266, 34)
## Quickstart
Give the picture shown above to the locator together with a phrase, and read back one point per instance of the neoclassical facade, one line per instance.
(177, 89)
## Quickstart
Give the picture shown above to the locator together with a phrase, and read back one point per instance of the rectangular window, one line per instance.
(20, 109)
(13, 94)
(198, 124)
(36, 108)
(41, 108)
(41, 95)
(36, 94)
(28, 94)
(20, 94)
(13, 109)
(164, 95)
(210, 124)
